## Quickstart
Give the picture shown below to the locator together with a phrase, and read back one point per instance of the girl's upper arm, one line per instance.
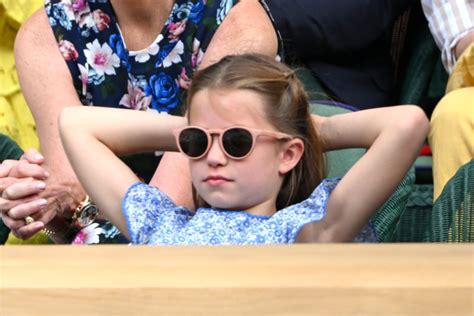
(394, 136)
(92, 149)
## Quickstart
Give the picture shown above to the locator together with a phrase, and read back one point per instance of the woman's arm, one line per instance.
(393, 136)
(92, 149)
(47, 87)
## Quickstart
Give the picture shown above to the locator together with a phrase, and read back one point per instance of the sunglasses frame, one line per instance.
(255, 133)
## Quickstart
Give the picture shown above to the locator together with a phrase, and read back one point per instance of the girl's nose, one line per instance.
(215, 155)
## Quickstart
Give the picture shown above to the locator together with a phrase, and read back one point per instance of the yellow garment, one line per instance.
(451, 135)
(463, 72)
(16, 120)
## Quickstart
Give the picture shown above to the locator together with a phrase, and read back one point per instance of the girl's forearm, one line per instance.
(361, 129)
(123, 131)
(394, 136)
(92, 139)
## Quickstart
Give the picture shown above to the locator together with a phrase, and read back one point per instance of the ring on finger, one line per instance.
(29, 220)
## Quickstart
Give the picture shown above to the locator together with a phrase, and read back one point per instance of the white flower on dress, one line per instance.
(101, 58)
(144, 55)
(84, 77)
(88, 235)
(198, 54)
(174, 56)
(135, 98)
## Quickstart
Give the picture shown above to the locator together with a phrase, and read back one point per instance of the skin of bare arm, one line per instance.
(107, 177)
(37, 54)
(393, 136)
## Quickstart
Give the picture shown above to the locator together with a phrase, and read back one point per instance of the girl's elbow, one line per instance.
(414, 122)
(68, 119)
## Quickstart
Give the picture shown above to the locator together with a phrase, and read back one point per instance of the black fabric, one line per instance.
(8, 150)
(345, 43)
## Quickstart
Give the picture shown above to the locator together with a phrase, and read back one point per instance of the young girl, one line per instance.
(255, 156)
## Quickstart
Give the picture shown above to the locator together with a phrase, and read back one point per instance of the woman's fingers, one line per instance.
(32, 208)
(6, 182)
(27, 231)
(22, 169)
(22, 189)
(38, 210)
(25, 169)
(6, 166)
(32, 156)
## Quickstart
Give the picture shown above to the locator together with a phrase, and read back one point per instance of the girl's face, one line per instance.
(250, 184)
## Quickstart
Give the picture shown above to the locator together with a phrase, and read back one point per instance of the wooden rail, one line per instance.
(351, 279)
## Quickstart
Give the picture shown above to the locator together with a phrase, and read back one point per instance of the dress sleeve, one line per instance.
(146, 209)
(310, 210)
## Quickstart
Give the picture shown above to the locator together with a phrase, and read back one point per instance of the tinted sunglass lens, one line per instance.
(193, 142)
(237, 142)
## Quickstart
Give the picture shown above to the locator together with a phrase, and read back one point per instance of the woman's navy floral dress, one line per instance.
(106, 73)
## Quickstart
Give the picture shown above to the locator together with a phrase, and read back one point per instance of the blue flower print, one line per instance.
(116, 43)
(95, 78)
(183, 11)
(52, 21)
(110, 231)
(162, 54)
(165, 92)
(197, 11)
(138, 81)
(60, 15)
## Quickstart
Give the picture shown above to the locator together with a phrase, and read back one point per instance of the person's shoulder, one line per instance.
(34, 32)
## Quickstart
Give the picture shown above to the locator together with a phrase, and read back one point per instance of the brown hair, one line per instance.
(287, 109)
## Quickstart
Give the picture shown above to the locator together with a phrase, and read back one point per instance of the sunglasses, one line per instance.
(236, 142)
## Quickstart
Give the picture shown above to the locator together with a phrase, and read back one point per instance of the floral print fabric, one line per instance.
(152, 218)
(106, 73)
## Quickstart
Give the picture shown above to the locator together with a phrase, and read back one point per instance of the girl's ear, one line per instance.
(291, 155)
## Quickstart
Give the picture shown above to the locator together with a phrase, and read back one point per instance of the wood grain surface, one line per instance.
(328, 279)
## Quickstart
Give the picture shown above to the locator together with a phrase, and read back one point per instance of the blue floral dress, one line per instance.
(153, 218)
(106, 73)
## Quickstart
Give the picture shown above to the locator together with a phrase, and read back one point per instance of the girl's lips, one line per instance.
(216, 180)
